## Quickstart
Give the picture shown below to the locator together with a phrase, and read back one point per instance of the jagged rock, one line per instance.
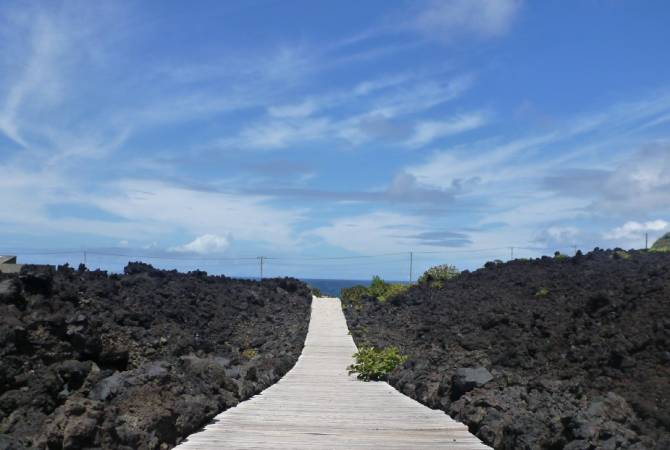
(137, 360)
(466, 379)
(37, 279)
(10, 291)
(581, 368)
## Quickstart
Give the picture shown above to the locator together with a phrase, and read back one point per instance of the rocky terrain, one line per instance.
(139, 360)
(552, 353)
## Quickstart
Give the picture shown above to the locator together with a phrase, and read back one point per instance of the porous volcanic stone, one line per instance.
(584, 365)
(139, 360)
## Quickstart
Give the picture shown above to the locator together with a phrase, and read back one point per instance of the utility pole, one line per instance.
(261, 258)
(511, 253)
(646, 241)
(411, 262)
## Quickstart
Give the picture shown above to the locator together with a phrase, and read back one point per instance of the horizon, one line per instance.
(207, 136)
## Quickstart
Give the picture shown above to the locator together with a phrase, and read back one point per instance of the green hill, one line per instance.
(662, 244)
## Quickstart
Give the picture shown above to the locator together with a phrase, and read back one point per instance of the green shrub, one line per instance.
(662, 244)
(249, 353)
(542, 292)
(392, 290)
(379, 289)
(621, 254)
(316, 292)
(373, 364)
(436, 276)
(353, 294)
(559, 256)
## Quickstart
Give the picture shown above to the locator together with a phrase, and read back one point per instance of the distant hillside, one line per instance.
(663, 243)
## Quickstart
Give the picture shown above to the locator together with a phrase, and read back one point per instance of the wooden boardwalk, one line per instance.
(317, 405)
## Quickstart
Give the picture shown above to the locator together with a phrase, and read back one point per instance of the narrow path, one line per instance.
(318, 405)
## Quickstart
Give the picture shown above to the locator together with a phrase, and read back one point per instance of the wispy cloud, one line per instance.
(377, 109)
(369, 233)
(448, 20)
(205, 244)
(428, 131)
(633, 230)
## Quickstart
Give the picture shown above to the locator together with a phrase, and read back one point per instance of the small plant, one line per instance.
(542, 292)
(353, 294)
(436, 276)
(621, 254)
(662, 244)
(379, 289)
(393, 290)
(374, 364)
(559, 256)
(249, 353)
(316, 292)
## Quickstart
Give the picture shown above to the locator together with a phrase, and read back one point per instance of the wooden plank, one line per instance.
(317, 404)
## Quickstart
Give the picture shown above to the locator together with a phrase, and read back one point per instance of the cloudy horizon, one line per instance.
(456, 129)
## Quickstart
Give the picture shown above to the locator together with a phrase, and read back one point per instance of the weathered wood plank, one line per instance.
(319, 405)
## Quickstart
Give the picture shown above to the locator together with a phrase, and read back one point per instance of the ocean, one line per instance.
(332, 288)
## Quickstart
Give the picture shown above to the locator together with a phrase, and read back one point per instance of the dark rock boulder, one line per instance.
(139, 360)
(585, 365)
(466, 379)
(37, 279)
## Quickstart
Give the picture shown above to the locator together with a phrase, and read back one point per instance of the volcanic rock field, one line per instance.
(139, 360)
(551, 353)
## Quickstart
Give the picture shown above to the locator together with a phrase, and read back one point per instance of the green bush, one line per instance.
(316, 292)
(373, 364)
(662, 244)
(542, 292)
(353, 294)
(436, 276)
(250, 353)
(621, 254)
(379, 289)
(559, 256)
(392, 290)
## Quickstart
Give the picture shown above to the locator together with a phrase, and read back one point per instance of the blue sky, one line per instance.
(295, 129)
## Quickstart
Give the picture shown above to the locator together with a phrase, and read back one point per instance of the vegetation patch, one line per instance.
(662, 244)
(378, 289)
(375, 364)
(436, 276)
(542, 292)
(316, 292)
(621, 254)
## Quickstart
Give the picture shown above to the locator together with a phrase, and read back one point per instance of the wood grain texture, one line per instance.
(317, 405)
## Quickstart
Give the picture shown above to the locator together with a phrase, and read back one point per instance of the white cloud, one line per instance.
(302, 109)
(40, 76)
(562, 233)
(446, 20)
(633, 230)
(558, 235)
(207, 243)
(279, 134)
(295, 123)
(428, 131)
(370, 233)
(171, 208)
